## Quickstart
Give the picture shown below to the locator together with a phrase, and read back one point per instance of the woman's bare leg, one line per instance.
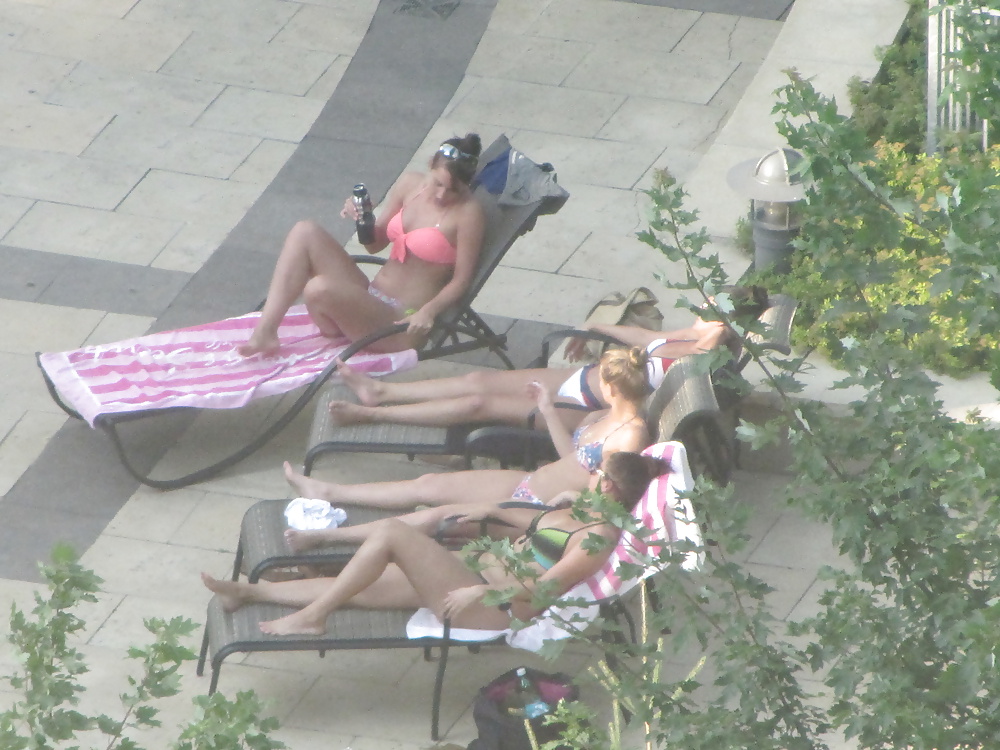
(429, 489)
(236, 594)
(438, 413)
(431, 570)
(426, 521)
(313, 265)
(373, 392)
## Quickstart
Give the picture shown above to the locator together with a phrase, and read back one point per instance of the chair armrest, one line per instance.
(509, 444)
(543, 358)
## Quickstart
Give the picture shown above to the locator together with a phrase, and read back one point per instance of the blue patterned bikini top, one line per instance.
(589, 455)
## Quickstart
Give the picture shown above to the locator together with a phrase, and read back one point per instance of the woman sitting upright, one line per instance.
(619, 428)
(435, 226)
(500, 395)
(400, 567)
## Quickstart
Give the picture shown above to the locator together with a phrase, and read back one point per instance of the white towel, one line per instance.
(306, 514)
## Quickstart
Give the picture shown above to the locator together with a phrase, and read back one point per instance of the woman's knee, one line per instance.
(319, 290)
(391, 534)
(430, 488)
(478, 407)
(477, 383)
(306, 231)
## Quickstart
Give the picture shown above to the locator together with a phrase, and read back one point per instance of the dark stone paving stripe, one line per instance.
(69, 281)
(769, 10)
(404, 73)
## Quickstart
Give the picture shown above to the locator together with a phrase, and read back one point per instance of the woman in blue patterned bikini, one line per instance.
(501, 395)
(398, 566)
(619, 428)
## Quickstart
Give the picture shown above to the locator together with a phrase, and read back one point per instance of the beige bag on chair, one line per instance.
(636, 308)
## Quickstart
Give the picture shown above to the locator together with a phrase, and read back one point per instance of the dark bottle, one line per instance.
(366, 216)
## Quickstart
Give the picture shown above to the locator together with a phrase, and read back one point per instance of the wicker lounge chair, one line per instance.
(683, 408)
(730, 385)
(669, 517)
(711, 444)
(459, 329)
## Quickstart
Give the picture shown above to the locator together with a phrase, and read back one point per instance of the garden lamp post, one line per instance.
(774, 190)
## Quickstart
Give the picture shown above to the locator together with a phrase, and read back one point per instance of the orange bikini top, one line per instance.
(427, 243)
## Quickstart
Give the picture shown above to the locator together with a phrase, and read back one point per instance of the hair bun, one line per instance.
(638, 357)
(472, 144)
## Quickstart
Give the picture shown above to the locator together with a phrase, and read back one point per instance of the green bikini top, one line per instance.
(549, 544)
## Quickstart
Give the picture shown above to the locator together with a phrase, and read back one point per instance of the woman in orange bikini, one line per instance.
(435, 227)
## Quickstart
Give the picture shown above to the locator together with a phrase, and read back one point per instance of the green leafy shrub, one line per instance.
(902, 267)
(45, 714)
(893, 106)
(902, 255)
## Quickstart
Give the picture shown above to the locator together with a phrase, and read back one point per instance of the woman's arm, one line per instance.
(393, 204)
(575, 566)
(562, 438)
(471, 228)
(628, 335)
(680, 342)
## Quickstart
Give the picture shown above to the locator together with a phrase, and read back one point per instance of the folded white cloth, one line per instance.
(306, 514)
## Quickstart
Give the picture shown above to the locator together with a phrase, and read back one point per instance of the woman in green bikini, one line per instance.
(398, 566)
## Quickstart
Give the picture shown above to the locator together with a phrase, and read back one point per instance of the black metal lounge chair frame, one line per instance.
(382, 629)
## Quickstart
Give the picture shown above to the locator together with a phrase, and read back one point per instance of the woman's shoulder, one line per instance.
(632, 436)
(409, 183)
(473, 206)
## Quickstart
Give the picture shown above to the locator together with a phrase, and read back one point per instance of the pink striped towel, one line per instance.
(199, 367)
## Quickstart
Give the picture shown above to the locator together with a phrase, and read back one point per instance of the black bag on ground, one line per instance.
(500, 730)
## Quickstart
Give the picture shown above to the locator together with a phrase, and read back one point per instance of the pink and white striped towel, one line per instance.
(199, 367)
(662, 510)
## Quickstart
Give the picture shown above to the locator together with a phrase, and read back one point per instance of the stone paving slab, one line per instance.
(772, 10)
(209, 129)
(55, 228)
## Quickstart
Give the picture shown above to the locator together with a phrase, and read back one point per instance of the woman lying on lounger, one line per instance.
(435, 226)
(500, 395)
(400, 567)
(619, 428)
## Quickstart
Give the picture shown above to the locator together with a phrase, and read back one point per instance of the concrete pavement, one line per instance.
(154, 152)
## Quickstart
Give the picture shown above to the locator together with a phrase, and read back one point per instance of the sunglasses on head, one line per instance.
(454, 153)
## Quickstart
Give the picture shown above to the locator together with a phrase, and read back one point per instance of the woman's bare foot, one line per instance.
(314, 489)
(301, 540)
(344, 412)
(297, 623)
(369, 391)
(260, 342)
(232, 594)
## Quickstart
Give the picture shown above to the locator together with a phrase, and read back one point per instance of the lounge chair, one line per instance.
(145, 379)
(668, 516)
(471, 440)
(682, 409)
(730, 385)
(711, 444)
(467, 440)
